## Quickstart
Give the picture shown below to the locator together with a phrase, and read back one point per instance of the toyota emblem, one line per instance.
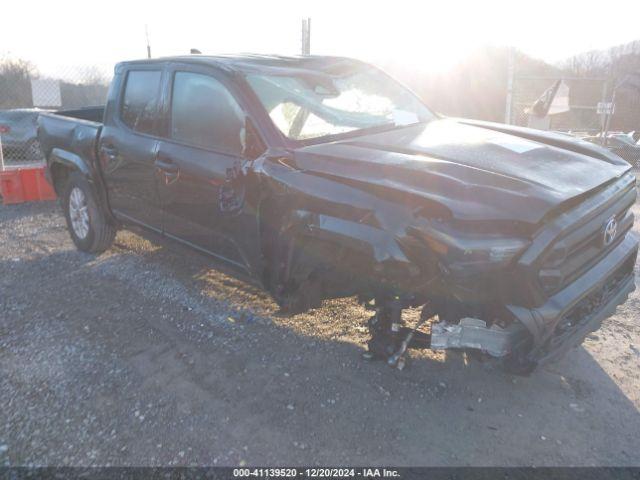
(610, 230)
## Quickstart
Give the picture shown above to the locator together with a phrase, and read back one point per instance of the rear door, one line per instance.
(128, 147)
(202, 150)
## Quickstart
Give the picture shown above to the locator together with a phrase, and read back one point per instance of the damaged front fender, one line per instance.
(380, 245)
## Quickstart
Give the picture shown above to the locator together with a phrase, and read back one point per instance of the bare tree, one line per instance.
(15, 83)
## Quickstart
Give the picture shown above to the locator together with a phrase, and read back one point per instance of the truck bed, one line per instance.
(74, 132)
(92, 114)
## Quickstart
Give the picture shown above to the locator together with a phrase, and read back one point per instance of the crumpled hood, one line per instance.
(476, 173)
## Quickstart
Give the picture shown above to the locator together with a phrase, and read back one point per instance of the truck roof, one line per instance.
(250, 62)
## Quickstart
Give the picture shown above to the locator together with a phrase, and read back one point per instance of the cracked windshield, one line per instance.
(322, 104)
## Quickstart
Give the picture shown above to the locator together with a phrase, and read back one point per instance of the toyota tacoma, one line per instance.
(322, 177)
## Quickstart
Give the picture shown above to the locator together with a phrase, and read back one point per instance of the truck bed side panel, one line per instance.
(69, 139)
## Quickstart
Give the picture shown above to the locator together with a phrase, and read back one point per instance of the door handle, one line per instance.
(110, 151)
(167, 166)
(169, 169)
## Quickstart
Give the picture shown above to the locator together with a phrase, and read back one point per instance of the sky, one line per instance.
(64, 35)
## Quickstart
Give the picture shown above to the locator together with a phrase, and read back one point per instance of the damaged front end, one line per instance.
(529, 337)
(522, 291)
(532, 301)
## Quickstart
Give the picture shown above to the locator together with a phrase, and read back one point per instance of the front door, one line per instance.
(128, 148)
(196, 163)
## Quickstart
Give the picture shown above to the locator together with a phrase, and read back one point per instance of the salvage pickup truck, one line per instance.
(322, 177)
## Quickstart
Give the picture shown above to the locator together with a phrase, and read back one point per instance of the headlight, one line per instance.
(496, 254)
(466, 253)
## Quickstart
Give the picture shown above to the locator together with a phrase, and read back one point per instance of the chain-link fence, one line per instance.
(578, 114)
(580, 108)
(24, 94)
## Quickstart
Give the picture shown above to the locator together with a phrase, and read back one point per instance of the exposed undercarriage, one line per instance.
(511, 345)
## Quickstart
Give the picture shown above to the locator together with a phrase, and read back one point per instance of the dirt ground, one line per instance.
(148, 355)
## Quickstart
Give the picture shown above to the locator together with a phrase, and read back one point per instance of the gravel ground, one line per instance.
(148, 355)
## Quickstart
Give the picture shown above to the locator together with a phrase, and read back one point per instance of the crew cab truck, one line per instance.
(322, 177)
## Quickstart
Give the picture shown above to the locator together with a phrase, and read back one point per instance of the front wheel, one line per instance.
(89, 228)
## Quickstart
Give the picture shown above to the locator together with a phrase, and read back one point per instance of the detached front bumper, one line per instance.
(571, 314)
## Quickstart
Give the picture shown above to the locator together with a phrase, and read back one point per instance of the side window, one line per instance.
(140, 99)
(205, 114)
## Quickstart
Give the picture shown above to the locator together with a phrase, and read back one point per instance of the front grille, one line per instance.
(581, 246)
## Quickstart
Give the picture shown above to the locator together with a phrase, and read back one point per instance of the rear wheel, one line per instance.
(89, 228)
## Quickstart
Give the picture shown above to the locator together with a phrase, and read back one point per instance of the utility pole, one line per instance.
(510, 74)
(146, 33)
(306, 36)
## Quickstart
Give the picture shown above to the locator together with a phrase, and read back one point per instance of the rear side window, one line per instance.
(140, 100)
(205, 114)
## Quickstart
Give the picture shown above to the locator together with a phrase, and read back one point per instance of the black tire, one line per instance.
(100, 232)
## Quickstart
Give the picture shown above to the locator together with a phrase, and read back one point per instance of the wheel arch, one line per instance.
(298, 243)
(61, 163)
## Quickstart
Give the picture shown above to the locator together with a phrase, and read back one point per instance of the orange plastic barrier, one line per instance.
(24, 184)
